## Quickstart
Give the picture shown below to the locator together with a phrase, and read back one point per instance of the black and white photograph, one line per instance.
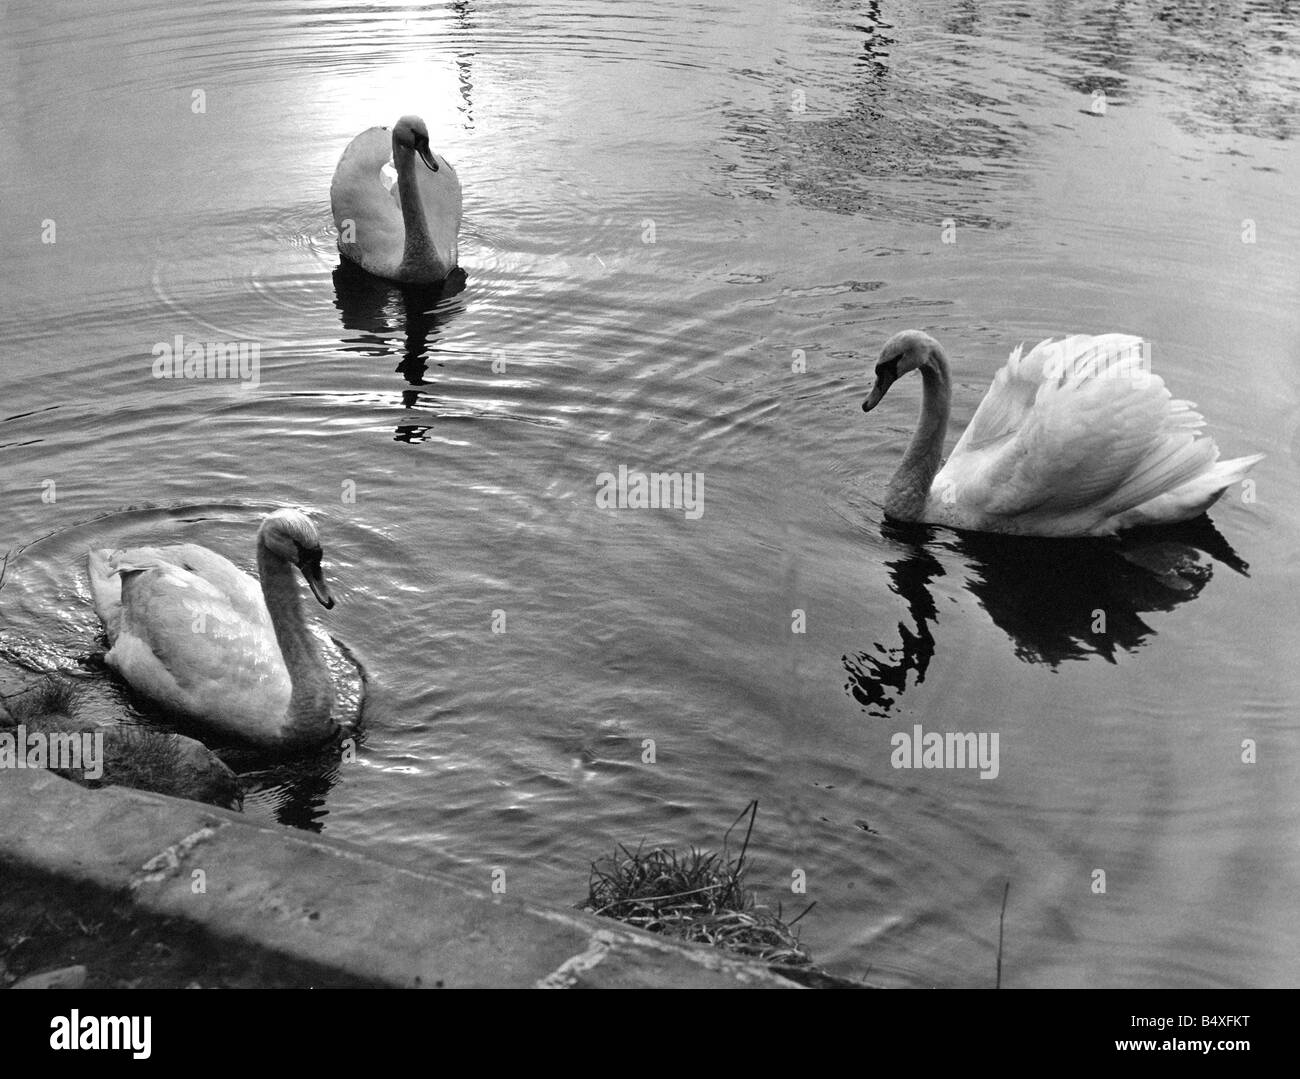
(688, 495)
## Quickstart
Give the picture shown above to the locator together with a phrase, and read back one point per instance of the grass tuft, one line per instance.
(145, 759)
(699, 896)
(48, 697)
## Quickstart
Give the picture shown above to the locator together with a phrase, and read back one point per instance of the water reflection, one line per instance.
(296, 790)
(1056, 600)
(464, 65)
(876, 47)
(878, 680)
(1235, 81)
(396, 320)
(875, 123)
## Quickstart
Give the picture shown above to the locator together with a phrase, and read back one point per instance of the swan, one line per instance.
(404, 231)
(1078, 438)
(192, 632)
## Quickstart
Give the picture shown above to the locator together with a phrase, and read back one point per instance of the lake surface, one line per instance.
(688, 230)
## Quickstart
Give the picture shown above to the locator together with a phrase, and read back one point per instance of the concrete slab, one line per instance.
(330, 903)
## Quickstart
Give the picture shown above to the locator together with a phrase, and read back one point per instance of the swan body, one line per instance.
(1077, 438)
(195, 634)
(405, 230)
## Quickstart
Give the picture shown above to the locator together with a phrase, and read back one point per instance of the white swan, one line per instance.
(1078, 438)
(404, 231)
(192, 632)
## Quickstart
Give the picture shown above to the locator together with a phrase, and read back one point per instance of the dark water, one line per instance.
(794, 165)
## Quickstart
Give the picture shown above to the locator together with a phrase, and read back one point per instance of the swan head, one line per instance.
(410, 134)
(291, 536)
(907, 350)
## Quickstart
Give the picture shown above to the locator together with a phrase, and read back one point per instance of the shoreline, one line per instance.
(280, 894)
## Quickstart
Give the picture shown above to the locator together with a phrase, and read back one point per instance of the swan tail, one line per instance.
(109, 571)
(1191, 496)
(105, 591)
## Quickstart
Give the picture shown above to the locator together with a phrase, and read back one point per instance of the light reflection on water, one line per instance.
(796, 164)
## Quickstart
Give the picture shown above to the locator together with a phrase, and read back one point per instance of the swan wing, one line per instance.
(1079, 427)
(440, 197)
(1006, 403)
(193, 634)
(105, 569)
(240, 591)
(364, 206)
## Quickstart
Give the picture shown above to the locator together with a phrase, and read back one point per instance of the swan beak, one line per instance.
(426, 155)
(316, 582)
(883, 382)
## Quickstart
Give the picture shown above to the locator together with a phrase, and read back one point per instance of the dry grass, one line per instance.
(700, 897)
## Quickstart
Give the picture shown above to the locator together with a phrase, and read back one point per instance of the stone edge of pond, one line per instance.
(329, 903)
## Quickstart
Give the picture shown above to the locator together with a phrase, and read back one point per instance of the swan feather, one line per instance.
(1075, 437)
(1078, 425)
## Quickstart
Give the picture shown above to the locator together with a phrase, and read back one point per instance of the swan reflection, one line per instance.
(402, 322)
(1056, 600)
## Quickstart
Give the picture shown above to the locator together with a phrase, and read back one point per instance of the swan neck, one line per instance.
(419, 249)
(312, 697)
(909, 490)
